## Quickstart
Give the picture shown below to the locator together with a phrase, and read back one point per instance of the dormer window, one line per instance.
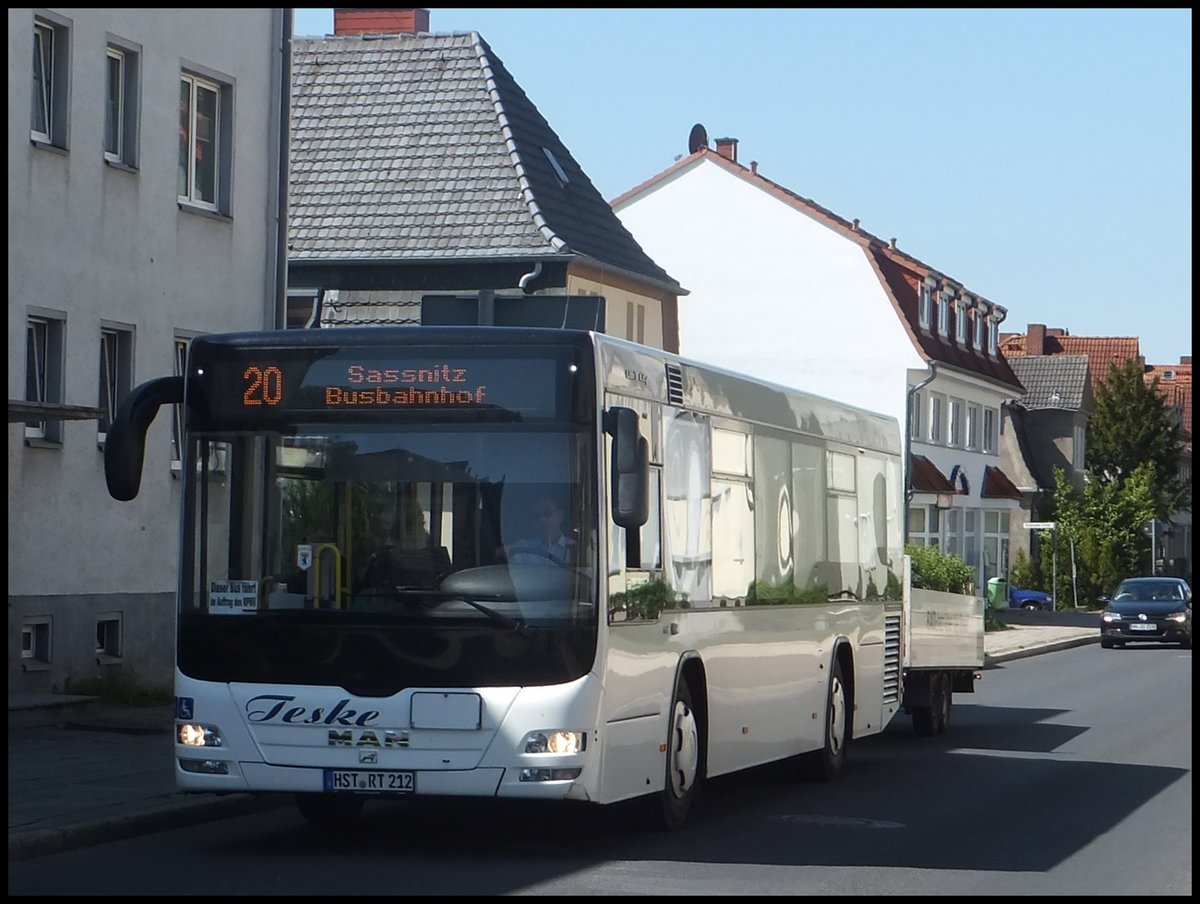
(943, 313)
(960, 320)
(925, 308)
(1168, 375)
(977, 332)
(993, 336)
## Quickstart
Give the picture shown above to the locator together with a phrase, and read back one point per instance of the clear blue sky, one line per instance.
(1043, 158)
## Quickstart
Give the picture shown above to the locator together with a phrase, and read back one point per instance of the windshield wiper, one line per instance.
(514, 624)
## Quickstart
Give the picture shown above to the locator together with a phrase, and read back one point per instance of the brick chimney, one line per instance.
(1185, 359)
(380, 21)
(1035, 339)
(727, 148)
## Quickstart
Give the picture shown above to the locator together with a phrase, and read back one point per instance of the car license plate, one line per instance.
(1138, 626)
(370, 781)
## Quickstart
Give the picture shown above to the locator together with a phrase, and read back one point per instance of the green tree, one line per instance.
(1104, 522)
(1130, 425)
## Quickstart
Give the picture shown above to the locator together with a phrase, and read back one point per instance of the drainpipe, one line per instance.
(278, 318)
(907, 445)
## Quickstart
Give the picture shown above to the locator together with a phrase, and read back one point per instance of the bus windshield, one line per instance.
(377, 557)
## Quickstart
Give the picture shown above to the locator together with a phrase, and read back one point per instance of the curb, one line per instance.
(171, 815)
(1035, 649)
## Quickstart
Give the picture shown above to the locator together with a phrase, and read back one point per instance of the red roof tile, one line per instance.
(926, 478)
(996, 485)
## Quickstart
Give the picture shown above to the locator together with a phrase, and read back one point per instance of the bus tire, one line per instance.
(330, 811)
(683, 768)
(826, 764)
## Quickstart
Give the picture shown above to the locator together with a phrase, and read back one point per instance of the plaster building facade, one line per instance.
(145, 207)
(784, 289)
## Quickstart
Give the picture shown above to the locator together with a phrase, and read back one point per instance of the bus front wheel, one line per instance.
(683, 762)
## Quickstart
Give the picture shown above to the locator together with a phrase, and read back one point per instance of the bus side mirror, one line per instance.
(630, 482)
(125, 441)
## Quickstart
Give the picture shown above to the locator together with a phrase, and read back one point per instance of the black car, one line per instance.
(1150, 609)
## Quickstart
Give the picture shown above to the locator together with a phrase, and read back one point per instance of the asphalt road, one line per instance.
(1067, 773)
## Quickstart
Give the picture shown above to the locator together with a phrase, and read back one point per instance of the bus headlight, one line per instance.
(191, 734)
(558, 741)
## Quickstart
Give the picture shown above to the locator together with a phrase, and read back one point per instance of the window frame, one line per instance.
(937, 410)
(128, 99)
(993, 336)
(115, 379)
(925, 306)
(54, 76)
(954, 425)
(990, 434)
(193, 79)
(943, 319)
(974, 425)
(180, 349)
(915, 418)
(977, 331)
(49, 378)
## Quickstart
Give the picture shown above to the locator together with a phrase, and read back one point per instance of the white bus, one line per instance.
(727, 589)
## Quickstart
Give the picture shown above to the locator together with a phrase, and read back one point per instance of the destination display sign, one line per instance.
(253, 384)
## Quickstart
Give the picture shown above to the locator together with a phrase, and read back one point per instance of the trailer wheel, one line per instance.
(825, 764)
(330, 812)
(931, 720)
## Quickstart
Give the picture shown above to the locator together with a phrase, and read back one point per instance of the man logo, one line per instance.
(368, 738)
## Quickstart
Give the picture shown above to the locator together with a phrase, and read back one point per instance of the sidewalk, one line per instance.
(81, 772)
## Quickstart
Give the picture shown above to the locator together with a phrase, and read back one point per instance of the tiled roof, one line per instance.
(421, 148)
(997, 485)
(1176, 392)
(926, 478)
(1053, 381)
(1101, 351)
(901, 272)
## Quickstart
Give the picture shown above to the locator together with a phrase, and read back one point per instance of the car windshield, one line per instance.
(1143, 591)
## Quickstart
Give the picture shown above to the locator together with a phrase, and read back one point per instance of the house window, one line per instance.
(121, 106)
(943, 314)
(925, 311)
(973, 413)
(977, 339)
(989, 430)
(116, 372)
(936, 406)
(924, 525)
(44, 373)
(51, 53)
(995, 544)
(108, 635)
(181, 351)
(960, 321)
(35, 641)
(993, 336)
(203, 150)
(953, 539)
(954, 422)
(914, 431)
(635, 322)
(1079, 450)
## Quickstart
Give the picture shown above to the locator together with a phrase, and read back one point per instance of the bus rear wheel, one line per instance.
(825, 764)
(330, 811)
(932, 719)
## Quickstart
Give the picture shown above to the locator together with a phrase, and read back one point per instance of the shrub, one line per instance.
(933, 569)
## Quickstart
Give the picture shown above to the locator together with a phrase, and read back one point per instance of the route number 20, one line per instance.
(264, 385)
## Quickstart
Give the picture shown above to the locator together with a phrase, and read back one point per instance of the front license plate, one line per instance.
(370, 781)
(1140, 627)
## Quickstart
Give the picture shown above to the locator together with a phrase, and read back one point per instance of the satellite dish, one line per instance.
(697, 138)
